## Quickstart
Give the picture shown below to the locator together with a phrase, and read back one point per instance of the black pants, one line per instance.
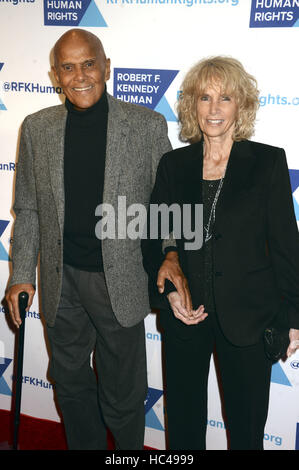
(85, 322)
(245, 375)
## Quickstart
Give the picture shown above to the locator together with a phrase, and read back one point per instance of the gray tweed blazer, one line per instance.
(136, 140)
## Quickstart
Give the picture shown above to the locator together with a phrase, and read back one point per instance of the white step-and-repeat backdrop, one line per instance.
(152, 44)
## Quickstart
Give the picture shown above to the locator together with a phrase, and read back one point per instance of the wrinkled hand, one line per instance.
(12, 298)
(171, 270)
(189, 318)
(294, 342)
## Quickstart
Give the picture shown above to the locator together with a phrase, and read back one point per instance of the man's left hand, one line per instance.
(171, 270)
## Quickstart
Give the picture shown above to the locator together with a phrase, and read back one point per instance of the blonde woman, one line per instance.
(247, 270)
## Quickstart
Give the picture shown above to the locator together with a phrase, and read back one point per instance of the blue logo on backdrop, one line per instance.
(72, 13)
(145, 87)
(274, 14)
(294, 176)
(3, 253)
(2, 105)
(151, 419)
(4, 388)
(278, 376)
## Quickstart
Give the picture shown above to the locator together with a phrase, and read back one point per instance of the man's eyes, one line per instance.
(67, 68)
(89, 64)
(70, 67)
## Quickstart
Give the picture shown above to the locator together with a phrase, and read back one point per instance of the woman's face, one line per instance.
(216, 113)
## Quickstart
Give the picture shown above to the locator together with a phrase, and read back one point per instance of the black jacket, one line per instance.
(255, 243)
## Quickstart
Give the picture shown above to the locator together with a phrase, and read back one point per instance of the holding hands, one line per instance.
(180, 299)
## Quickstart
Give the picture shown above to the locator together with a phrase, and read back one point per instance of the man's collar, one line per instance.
(101, 106)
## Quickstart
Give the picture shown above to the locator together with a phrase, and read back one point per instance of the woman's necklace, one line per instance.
(209, 226)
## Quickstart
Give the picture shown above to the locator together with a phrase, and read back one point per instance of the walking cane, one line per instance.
(23, 300)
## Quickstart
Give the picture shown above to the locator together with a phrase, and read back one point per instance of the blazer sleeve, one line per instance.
(161, 146)
(152, 249)
(283, 237)
(26, 227)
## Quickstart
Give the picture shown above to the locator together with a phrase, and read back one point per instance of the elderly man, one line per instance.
(73, 157)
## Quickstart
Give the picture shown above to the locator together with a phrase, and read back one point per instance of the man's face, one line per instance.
(81, 69)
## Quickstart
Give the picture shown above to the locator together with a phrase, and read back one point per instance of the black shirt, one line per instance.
(209, 189)
(84, 168)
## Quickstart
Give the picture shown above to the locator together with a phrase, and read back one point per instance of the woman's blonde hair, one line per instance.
(233, 80)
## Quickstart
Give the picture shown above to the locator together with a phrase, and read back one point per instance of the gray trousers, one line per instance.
(114, 396)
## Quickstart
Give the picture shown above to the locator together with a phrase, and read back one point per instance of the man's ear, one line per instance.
(107, 70)
(55, 74)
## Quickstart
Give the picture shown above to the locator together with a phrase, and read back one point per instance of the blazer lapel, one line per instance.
(189, 187)
(117, 131)
(191, 193)
(55, 142)
(238, 177)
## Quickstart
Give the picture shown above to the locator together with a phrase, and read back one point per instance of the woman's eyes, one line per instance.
(222, 98)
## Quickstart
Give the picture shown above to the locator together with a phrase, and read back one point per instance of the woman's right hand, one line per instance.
(181, 313)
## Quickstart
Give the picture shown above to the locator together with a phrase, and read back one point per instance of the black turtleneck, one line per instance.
(84, 167)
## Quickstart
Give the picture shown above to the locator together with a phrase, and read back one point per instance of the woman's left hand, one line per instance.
(294, 341)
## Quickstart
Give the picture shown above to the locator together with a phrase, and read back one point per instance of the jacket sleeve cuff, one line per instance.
(169, 248)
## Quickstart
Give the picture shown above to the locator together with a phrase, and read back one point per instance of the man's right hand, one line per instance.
(12, 298)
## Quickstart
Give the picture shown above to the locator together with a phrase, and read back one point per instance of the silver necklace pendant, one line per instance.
(212, 215)
(208, 236)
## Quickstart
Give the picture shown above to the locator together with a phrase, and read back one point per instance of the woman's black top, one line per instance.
(209, 189)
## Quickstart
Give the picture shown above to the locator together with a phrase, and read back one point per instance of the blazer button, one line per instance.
(218, 273)
(57, 269)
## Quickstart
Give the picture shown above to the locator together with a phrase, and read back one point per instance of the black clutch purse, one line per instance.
(276, 338)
